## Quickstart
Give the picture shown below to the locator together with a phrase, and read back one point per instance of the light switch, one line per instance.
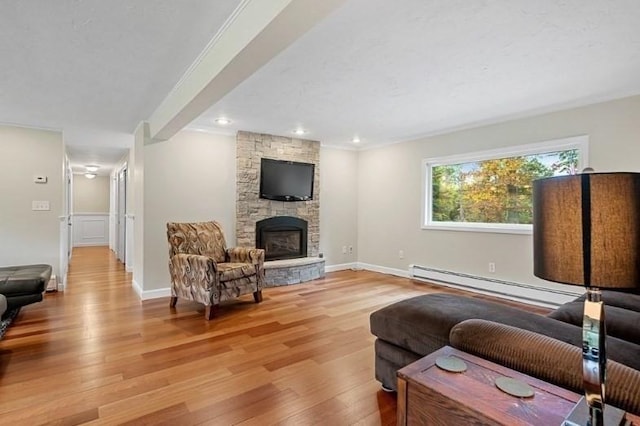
(40, 205)
(40, 179)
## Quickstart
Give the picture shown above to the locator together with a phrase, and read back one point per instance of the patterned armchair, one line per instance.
(202, 269)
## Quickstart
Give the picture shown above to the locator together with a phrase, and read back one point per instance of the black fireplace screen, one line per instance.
(282, 237)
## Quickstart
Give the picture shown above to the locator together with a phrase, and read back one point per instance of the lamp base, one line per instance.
(579, 416)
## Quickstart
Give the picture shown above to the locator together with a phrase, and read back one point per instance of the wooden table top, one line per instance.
(476, 391)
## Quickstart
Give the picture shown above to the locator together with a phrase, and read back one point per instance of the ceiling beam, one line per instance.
(256, 32)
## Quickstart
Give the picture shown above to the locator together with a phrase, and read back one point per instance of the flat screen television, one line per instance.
(286, 180)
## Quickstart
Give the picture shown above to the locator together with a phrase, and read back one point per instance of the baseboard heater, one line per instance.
(541, 296)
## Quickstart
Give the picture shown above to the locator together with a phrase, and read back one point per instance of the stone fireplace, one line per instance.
(259, 221)
(250, 208)
(282, 237)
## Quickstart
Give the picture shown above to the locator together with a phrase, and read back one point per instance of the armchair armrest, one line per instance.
(246, 255)
(545, 358)
(192, 274)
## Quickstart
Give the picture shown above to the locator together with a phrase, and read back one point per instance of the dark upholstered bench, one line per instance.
(22, 285)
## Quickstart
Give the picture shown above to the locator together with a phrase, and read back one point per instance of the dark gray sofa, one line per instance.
(3, 304)
(410, 329)
(22, 285)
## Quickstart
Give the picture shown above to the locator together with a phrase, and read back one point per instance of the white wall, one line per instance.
(338, 207)
(90, 195)
(390, 190)
(30, 236)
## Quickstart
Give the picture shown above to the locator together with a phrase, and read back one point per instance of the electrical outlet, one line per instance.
(344, 249)
(492, 267)
(401, 254)
(350, 249)
(40, 205)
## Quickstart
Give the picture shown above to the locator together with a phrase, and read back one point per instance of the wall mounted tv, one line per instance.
(286, 180)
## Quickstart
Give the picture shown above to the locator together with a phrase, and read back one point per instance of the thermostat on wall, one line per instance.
(40, 179)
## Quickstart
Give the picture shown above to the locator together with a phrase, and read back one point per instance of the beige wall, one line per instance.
(136, 163)
(90, 195)
(390, 189)
(189, 178)
(338, 209)
(30, 236)
(192, 177)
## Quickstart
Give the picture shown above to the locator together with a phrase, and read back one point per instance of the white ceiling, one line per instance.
(96, 68)
(383, 70)
(389, 71)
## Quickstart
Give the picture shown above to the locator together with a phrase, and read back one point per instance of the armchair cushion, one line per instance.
(204, 238)
(245, 255)
(234, 271)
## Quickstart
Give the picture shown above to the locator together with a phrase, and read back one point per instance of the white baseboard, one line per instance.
(62, 282)
(383, 270)
(340, 267)
(525, 293)
(150, 294)
(90, 244)
(136, 288)
(156, 293)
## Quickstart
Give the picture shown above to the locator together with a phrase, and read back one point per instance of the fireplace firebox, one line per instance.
(282, 237)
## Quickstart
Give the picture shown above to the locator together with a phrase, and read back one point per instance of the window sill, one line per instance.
(480, 227)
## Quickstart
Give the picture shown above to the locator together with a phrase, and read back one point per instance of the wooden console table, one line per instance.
(431, 396)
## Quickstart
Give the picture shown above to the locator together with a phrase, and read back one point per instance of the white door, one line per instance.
(121, 222)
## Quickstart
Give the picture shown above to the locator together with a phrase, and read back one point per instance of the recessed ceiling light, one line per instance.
(90, 175)
(355, 139)
(299, 131)
(223, 121)
(92, 168)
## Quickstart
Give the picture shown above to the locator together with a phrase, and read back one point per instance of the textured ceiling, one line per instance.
(383, 70)
(96, 68)
(388, 71)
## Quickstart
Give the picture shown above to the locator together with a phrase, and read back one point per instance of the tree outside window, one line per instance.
(494, 190)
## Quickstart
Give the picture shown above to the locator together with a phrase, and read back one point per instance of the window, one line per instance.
(492, 190)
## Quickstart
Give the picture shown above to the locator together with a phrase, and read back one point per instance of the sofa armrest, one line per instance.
(246, 255)
(544, 358)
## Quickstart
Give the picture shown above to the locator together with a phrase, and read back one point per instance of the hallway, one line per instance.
(96, 354)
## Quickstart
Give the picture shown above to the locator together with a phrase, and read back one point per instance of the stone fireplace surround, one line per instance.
(250, 208)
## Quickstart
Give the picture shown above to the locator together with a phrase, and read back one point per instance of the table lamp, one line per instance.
(586, 231)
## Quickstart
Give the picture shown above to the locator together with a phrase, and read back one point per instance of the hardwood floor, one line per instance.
(95, 354)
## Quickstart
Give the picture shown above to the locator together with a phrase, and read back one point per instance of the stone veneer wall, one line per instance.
(251, 147)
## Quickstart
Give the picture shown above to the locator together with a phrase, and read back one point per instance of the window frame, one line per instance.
(581, 143)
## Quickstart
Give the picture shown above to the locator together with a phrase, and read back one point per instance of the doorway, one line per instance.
(121, 215)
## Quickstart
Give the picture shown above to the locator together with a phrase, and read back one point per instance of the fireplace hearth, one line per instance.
(282, 237)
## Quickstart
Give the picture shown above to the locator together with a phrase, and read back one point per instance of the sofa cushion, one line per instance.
(621, 323)
(422, 323)
(620, 299)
